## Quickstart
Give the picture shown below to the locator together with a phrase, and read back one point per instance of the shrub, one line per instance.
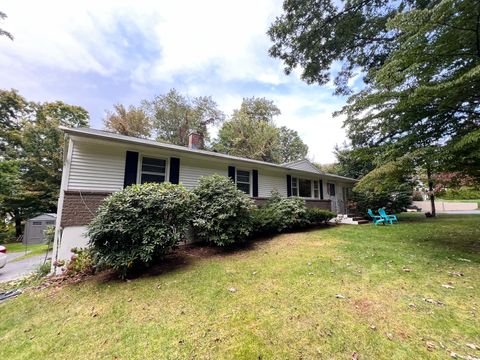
(138, 225)
(222, 213)
(319, 216)
(81, 263)
(280, 214)
(460, 194)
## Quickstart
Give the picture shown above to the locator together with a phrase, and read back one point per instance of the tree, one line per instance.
(421, 64)
(4, 32)
(314, 35)
(251, 132)
(131, 122)
(290, 146)
(32, 156)
(174, 115)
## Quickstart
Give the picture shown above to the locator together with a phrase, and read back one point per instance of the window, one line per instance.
(305, 188)
(331, 189)
(294, 186)
(316, 193)
(243, 181)
(153, 170)
(36, 223)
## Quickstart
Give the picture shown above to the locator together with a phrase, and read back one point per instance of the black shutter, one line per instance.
(255, 183)
(231, 173)
(131, 166)
(321, 189)
(174, 170)
(289, 185)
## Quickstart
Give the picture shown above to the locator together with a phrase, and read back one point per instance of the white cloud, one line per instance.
(210, 47)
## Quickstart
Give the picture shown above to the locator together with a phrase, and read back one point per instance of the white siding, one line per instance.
(269, 182)
(304, 165)
(96, 167)
(191, 171)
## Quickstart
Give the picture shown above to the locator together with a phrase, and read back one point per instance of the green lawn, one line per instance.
(30, 250)
(392, 303)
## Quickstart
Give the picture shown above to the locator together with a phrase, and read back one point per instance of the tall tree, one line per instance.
(131, 122)
(290, 146)
(421, 62)
(32, 156)
(173, 115)
(251, 132)
(4, 32)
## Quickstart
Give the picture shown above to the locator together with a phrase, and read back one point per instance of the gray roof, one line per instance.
(46, 216)
(106, 135)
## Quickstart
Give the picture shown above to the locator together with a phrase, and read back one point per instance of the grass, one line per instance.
(33, 249)
(284, 306)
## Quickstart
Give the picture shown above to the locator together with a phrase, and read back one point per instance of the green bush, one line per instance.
(319, 216)
(393, 202)
(138, 225)
(460, 194)
(280, 214)
(81, 263)
(222, 213)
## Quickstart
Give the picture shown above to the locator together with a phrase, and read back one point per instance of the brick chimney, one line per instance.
(195, 140)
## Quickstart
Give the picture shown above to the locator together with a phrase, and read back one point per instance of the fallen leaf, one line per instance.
(430, 346)
(232, 290)
(354, 356)
(472, 346)
(340, 296)
(310, 273)
(373, 327)
(390, 336)
(129, 300)
(254, 273)
(405, 269)
(455, 273)
(453, 355)
(448, 286)
(412, 305)
(466, 260)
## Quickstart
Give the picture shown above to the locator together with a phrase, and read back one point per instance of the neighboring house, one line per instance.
(35, 227)
(97, 163)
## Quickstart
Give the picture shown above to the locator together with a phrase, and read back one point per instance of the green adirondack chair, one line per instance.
(375, 218)
(388, 218)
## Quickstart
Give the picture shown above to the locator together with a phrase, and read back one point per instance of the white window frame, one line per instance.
(242, 182)
(140, 162)
(294, 185)
(317, 182)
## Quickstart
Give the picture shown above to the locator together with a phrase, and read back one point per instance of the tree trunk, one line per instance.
(18, 223)
(430, 190)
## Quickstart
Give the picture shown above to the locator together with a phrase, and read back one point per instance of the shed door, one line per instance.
(36, 232)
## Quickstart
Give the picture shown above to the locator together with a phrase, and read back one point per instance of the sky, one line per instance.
(98, 53)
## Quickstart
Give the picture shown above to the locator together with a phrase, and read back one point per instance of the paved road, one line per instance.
(17, 269)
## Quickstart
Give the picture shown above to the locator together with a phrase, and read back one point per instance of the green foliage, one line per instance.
(394, 201)
(31, 153)
(44, 269)
(222, 213)
(252, 133)
(130, 122)
(173, 115)
(280, 214)
(81, 263)
(460, 194)
(290, 146)
(319, 216)
(4, 32)
(139, 225)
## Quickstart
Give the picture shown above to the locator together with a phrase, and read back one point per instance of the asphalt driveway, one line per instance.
(17, 269)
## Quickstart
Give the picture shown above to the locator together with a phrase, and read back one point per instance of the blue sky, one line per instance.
(98, 53)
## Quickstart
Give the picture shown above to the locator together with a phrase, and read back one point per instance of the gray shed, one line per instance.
(34, 228)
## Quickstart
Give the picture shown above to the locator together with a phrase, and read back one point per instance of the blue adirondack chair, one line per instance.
(376, 219)
(388, 218)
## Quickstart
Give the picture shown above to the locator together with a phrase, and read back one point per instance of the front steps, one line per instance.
(350, 219)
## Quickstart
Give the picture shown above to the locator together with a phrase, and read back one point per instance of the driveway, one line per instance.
(18, 269)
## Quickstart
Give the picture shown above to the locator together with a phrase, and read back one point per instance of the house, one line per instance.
(97, 163)
(35, 227)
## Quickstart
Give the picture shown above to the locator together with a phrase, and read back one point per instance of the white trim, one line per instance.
(57, 240)
(250, 178)
(140, 162)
